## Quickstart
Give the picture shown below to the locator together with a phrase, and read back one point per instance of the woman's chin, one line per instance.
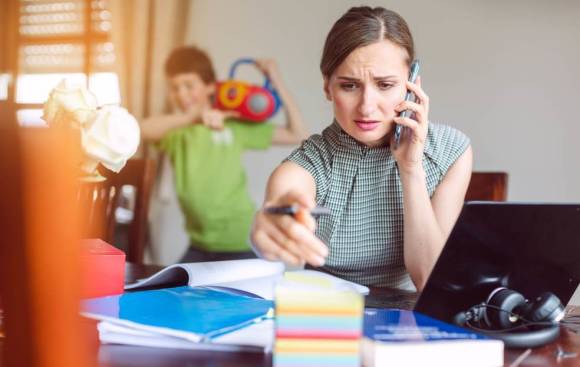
(370, 138)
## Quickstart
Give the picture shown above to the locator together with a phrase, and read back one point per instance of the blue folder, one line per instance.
(203, 312)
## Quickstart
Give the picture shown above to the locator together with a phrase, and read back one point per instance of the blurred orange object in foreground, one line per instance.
(40, 254)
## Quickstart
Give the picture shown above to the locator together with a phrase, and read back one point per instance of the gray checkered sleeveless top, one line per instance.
(362, 188)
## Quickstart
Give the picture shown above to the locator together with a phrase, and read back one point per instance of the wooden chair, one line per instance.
(101, 200)
(487, 186)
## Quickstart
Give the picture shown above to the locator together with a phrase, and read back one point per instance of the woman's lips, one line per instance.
(367, 125)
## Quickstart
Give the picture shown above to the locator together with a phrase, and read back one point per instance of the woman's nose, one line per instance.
(368, 102)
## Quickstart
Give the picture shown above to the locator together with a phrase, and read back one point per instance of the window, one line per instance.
(63, 39)
(4, 81)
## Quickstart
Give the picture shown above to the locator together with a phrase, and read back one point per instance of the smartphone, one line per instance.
(410, 96)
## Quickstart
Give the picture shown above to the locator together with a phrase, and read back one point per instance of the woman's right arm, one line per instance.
(285, 237)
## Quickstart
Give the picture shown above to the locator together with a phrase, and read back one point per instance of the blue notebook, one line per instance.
(407, 338)
(194, 313)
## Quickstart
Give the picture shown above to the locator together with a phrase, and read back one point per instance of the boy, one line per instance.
(206, 152)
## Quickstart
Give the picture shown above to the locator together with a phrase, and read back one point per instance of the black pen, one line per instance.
(293, 209)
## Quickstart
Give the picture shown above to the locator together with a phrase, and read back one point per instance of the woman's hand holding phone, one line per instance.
(409, 96)
(414, 118)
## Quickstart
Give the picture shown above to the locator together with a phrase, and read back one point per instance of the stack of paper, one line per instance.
(318, 322)
(180, 317)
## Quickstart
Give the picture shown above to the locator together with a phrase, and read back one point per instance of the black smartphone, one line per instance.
(410, 96)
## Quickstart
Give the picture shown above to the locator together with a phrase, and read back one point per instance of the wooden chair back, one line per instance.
(101, 200)
(487, 186)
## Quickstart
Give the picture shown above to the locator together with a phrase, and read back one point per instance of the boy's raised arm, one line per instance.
(154, 128)
(294, 131)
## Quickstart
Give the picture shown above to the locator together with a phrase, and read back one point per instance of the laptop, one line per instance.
(528, 247)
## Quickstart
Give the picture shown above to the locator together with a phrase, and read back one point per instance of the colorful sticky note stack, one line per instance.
(318, 322)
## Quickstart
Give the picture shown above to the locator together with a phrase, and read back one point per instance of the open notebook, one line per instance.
(255, 276)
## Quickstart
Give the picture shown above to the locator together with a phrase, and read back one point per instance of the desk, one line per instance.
(130, 356)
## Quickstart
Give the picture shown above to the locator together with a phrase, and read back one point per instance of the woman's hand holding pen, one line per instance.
(289, 238)
(409, 153)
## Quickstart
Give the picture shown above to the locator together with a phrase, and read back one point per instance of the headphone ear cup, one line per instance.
(503, 303)
(545, 308)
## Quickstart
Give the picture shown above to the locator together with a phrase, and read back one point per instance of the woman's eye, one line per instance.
(348, 86)
(385, 85)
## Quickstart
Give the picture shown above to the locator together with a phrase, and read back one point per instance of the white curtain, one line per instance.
(144, 33)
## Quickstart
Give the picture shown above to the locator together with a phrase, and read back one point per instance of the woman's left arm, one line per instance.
(427, 221)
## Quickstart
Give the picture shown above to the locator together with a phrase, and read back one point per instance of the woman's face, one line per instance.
(366, 88)
(187, 90)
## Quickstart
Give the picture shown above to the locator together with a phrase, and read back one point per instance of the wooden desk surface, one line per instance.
(130, 356)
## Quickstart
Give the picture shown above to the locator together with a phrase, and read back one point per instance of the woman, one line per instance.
(391, 208)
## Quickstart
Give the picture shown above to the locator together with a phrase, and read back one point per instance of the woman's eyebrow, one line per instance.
(388, 77)
(348, 78)
(376, 78)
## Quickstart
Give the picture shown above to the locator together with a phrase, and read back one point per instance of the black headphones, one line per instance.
(519, 323)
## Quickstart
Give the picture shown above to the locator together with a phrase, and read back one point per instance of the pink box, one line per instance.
(102, 267)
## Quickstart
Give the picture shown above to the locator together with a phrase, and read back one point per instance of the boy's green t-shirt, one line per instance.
(211, 181)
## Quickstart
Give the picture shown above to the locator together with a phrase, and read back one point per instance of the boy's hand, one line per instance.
(214, 119)
(270, 68)
(289, 238)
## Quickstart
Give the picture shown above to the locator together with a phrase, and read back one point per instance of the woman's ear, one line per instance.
(327, 89)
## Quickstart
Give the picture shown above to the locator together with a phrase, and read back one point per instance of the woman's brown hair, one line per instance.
(362, 26)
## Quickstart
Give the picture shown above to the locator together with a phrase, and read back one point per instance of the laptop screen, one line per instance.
(530, 248)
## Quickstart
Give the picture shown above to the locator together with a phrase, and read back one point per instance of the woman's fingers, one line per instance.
(417, 109)
(310, 245)
(407, 122)
(414, 129)
(266, 247)
(418, 91)
(275, 252)
(420, 95)
(293, 234)
(312, 257)
(268, 240)
(281, 239)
